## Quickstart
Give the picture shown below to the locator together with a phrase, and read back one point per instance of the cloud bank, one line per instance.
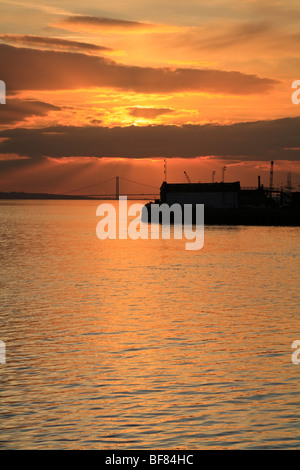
(261, 140)
(31, 69)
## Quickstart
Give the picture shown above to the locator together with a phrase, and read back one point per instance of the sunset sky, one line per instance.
(100, 89)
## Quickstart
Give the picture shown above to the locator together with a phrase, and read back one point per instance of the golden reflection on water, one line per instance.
(141, 344)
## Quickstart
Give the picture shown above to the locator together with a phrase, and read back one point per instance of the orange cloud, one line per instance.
(256, 38)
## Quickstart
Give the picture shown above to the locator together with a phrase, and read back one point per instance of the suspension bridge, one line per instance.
(115, 191)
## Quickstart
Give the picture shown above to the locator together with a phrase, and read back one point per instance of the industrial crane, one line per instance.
(187, 177)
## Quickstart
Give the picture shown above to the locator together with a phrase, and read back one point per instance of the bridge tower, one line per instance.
(271, 175)
(117, 187)
(223, 173)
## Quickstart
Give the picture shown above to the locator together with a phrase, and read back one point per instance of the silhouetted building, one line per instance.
(212, 195)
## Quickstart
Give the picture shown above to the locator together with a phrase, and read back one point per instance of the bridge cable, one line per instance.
(91, 186)
(136, 182)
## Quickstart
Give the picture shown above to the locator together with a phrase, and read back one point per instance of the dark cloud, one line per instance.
(96, 121)
(31, 69)
(52, 43)
(17, 110)
(101, 23)
(149, 113)
(261, 140)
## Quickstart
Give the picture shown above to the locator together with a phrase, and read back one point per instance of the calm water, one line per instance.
(142, 344)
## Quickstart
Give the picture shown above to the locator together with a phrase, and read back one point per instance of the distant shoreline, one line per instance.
(23, 195)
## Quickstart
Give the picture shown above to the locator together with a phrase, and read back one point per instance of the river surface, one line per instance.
(141, 344)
